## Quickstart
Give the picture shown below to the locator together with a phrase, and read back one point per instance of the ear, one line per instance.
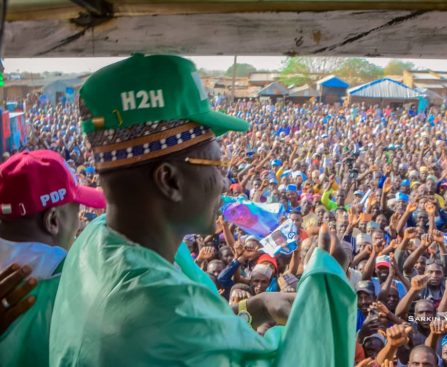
(51, 221)
(168, 179)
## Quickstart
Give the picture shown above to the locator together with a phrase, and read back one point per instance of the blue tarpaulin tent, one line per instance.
(332, 89)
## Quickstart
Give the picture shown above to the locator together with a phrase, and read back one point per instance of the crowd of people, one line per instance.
(368, 183)
(378, 178)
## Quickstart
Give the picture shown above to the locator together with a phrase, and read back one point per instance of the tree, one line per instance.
(359, 70)
(397, 67)
(294, 72)
(298, 70)
(322, 65)
(241, 70)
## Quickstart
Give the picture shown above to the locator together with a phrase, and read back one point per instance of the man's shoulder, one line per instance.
(25, 343)
(109, 265)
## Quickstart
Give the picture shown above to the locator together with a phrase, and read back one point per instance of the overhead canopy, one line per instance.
(384, 89)
(410, 28)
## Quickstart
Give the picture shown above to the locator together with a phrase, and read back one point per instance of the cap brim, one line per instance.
(90, 197)
(219, 122)
(383, 264)
(370, 292)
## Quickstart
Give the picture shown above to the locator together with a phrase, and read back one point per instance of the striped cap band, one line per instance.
(115, 148)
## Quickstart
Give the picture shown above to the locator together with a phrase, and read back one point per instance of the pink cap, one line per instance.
(31, 182)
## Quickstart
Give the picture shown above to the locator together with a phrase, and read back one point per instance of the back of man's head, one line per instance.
(40, 197)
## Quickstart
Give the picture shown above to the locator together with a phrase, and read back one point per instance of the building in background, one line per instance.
(384, 92)
(433, 81)
(54, 88)
(274, 91)
(332, 89)
(262, 79)
(302, 94)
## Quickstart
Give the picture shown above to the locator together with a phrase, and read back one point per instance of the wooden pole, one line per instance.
(233, 83)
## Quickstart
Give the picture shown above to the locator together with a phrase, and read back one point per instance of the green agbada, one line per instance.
(120, 304)
(26, 341)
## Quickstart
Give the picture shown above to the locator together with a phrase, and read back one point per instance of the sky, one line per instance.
(90, 64)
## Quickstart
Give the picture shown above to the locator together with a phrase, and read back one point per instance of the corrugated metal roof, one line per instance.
(431, 85)
(303, 91)
(333, 81)
(427, 76)
(25, 83)
(384, 88)
(41, 82)
(274, 89)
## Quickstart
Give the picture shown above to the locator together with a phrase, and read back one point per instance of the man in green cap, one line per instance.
(125, 297)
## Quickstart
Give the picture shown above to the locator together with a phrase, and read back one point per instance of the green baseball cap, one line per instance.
(142, 89)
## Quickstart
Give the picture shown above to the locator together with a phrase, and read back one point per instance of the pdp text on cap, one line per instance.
(32, 182)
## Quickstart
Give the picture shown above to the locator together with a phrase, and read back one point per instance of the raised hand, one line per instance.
(238, 248)
(379, 246)
(354, 218)
(394, 221)
(383, 310)
(206, 253)
(397, 335)
(425, 240)
(368, 362)
(438, 327)
(394, 244)
(419, 282)
(324, 240)
(220, 220)
(430, 208)
(13, 294)
(437, 236)
(387, 185)
(410, 233)
(412, 207)
(250, 253)
(387, 363)
(238, 295)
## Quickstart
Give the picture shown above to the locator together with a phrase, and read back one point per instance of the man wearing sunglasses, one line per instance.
(122, 300)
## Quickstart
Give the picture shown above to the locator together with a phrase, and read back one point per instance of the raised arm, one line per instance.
(396, 336)
(362, 255)
(370, 264)
(247, 177)
(417, 283)
(385, 190)
(414, 256)
(411, 207)
(228, 235)
(400, 251)
(438, 327)
(443, 304)
(292, 155)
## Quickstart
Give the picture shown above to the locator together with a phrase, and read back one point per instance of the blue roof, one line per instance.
(333, 81)
(384, 88)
